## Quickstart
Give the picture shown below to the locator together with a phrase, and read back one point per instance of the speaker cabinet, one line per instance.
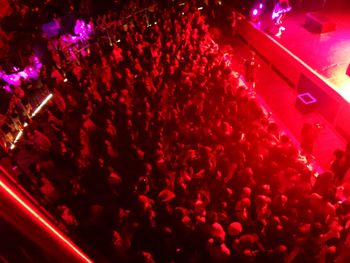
(318, 23)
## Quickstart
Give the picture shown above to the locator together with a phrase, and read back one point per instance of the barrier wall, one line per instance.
(302, 78)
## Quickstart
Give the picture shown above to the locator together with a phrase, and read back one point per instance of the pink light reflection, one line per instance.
(30, 72)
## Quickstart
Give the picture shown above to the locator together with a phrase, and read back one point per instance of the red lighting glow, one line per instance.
(47, 225)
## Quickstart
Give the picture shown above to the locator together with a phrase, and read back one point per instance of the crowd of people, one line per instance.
(152, 151)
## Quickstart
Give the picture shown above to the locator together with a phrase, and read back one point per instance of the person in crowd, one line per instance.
(152, 152)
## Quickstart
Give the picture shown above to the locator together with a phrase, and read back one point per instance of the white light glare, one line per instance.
(42, 104)
(19, 135)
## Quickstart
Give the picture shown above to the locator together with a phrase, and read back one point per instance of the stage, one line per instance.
(326, 53)
(309, 62)
(285, 64)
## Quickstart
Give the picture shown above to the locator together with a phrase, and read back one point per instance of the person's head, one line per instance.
(347, 148)
(284, 3)
(316, 229)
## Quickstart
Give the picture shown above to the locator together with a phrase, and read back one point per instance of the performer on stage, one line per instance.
(279, 13)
